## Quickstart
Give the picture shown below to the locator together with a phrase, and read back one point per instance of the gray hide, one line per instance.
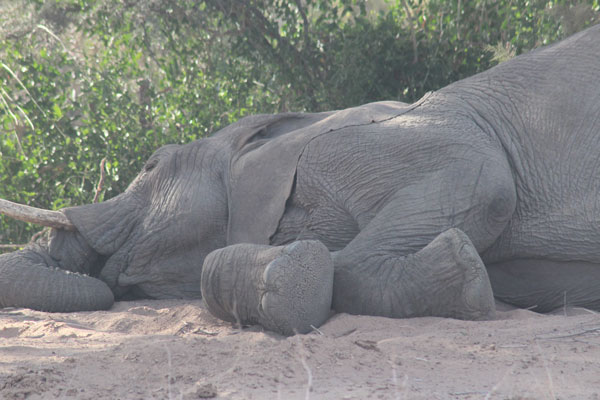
(271, 165)
(487, 187)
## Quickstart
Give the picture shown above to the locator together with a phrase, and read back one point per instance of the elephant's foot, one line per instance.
(466, 292)
(297, 290)
(286, 289)
(445, 279)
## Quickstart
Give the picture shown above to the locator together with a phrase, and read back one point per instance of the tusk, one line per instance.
(53, 219)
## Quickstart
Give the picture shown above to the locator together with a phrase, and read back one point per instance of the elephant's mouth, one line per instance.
(30, 277)
(89, 260)
(66, 272)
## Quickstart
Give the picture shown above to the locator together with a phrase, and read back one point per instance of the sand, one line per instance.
(176, 350)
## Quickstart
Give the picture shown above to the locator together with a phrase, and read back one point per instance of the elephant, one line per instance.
(484, 190)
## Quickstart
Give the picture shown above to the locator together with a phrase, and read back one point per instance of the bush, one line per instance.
(86, 80)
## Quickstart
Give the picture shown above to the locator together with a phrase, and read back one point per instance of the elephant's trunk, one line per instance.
(53, 219)
(26, 281)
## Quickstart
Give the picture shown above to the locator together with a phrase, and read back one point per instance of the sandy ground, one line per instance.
(177, 350)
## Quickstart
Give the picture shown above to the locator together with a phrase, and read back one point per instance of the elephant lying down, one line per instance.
(385, 209)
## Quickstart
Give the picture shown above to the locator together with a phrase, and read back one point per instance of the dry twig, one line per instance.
(101, 181)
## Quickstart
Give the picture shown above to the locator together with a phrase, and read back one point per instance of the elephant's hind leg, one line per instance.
(286, 289)
(445, 279)
(410, 260)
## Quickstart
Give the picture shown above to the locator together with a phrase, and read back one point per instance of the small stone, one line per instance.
(206, 391)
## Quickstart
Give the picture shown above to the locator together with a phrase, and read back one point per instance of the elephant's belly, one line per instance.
(544, 285)
(560, 236)
(548, 256)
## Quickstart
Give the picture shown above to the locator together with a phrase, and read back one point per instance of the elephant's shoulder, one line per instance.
(261, 173)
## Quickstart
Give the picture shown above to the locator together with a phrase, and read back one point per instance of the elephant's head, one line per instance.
(156, 234)
(149, 241)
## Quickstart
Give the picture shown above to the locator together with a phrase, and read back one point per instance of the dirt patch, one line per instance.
(177, 350)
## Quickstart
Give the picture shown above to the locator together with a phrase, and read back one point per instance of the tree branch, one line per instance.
(101, 181)
(12, 246)
(305, 20)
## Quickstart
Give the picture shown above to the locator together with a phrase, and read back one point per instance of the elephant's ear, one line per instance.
(262, 171)
(257, 128)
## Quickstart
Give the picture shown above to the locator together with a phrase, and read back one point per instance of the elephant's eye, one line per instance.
(150, 164)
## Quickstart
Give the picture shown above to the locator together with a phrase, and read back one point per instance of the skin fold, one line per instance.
(488, 187)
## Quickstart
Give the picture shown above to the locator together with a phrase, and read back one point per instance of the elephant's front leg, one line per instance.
(285, 288)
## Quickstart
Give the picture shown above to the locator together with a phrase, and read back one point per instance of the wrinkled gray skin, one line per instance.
(386, 209)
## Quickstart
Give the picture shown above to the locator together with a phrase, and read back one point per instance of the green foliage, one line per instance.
(85, 80)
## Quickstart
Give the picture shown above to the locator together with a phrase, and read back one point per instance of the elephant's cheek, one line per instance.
(108, 225)
(175, 276)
